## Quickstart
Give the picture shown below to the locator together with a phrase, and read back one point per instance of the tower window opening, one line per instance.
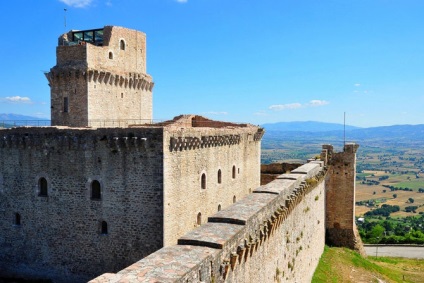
(234, 172)
(42, 187)
(219, 207)
(65, 105)
(219, 176)
(96, 190)
(104, 230)
(234, 199)
(122, 95)
(17, 219)
(122, 44)
(199, 219)
(203, 181)
(110, 55)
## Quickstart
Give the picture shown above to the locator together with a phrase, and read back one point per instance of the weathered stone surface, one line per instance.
(104, 85)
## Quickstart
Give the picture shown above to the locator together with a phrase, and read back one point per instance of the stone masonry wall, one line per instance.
(275, 234)
(60, 235)
(340, 198)
(104, 85)
(192, 152)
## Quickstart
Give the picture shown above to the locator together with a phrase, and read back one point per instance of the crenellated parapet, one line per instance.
(189, 143)
(57, 139)
(130, 80)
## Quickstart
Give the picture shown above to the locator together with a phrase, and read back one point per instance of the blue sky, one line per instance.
(239, 60)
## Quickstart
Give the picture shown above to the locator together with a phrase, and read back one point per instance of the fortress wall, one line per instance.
(59, 235)
(129, 100)
(275, 234)
(191, 152)
(75, 92)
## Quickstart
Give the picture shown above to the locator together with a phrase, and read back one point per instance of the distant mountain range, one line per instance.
(17, 117)
(332, 131)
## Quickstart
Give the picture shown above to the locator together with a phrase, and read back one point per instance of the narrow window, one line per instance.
(122, 44)
(65, 105)
(199, 219)
(42, 187)
(17, 219)
(219, 176)
(96, 190)
(203, 181)
(238, 170)
(234, 199)
(234, 172)
(104, 228)
(110, 55)
(122, 95)
(219, 207)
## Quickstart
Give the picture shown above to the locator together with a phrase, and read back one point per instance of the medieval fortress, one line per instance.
(105, 192)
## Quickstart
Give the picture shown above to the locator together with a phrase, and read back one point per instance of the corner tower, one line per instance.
(340, 225)
(100, 79)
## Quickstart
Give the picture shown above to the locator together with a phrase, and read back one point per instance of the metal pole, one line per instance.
(344, 130)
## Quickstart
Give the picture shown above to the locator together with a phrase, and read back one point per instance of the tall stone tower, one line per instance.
(340, 198)
(100, 79)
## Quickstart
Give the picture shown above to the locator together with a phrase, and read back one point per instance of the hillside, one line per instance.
(343, 265)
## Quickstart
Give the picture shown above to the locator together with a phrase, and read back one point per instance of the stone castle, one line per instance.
(106, 190)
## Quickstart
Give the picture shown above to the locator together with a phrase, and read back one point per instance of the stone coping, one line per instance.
(243, 210)
(213, 235)
(279, 185)
(308, 169)
(165, 265)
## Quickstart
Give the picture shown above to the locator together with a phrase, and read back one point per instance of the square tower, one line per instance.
(100, 79)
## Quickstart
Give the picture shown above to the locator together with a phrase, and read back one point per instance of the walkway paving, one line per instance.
(395, 251)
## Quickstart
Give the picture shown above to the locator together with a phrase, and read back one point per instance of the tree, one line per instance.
(411, 200)
(394, 195)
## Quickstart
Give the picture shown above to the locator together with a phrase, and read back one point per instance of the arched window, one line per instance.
(104, 228)
(42, 187)
(17, 219)
(122, 44)
(234, 172)
(219, 207)
(199, 219)
(234, 199)
(203, 181)
(110, 55)
(219, 176)
(96, 192)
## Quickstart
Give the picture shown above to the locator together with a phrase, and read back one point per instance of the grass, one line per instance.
(344, 265)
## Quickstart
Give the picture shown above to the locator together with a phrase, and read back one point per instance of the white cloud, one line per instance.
(181, 1)
(279, 107)
(297, 105)
(77, 3)
(16, 99)
(357, 85)
(316, 102)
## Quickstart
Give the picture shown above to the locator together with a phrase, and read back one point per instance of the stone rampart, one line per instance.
(275, 234)
(53, 225)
